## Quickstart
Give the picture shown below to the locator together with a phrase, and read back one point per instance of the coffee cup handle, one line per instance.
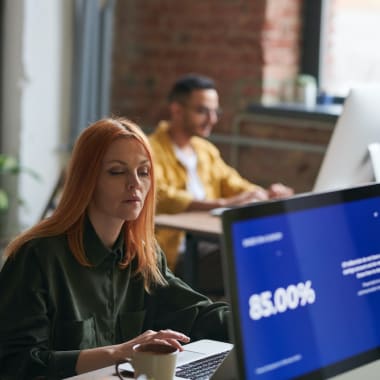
(122, 373)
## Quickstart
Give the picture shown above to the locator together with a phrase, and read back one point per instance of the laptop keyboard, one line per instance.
(201, 369)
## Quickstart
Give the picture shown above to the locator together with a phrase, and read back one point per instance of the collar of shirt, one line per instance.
(95, 250)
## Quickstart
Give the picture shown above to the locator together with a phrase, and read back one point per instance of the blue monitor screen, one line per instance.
(307, 285)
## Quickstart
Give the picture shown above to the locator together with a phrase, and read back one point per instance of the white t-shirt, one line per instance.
(194, 185)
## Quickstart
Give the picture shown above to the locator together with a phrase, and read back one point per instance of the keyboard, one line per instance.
(201, 369)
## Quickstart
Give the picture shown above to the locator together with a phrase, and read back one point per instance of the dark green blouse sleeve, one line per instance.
(179, 307)
(47, 314)
(25, 323)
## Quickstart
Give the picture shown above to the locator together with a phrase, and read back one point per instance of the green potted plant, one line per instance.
(9, 167)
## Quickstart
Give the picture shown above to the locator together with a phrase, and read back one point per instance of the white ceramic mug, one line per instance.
(154, 360)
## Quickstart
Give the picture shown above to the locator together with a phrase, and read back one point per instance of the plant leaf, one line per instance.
(3, 200)
(8, 164)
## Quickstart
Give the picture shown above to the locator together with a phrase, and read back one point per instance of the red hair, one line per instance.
(80, 182)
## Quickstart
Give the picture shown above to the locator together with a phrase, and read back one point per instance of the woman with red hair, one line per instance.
(84, 285)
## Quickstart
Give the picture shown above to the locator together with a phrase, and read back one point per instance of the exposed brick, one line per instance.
(249, 47)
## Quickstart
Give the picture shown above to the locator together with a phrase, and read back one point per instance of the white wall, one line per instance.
(36, 95)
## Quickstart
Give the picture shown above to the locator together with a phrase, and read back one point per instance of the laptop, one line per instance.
(202, 359)
(211, 355)
(303, 278)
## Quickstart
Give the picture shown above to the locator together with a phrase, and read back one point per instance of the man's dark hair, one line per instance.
(188, 83)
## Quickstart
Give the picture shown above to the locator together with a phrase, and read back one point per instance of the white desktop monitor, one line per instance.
(350, 159)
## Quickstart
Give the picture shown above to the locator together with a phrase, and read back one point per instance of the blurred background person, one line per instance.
(191, 174)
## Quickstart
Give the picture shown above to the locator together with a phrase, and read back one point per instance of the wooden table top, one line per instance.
(199, 222)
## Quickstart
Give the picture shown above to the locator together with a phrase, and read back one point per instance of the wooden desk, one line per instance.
(197, 222)
(197, 225)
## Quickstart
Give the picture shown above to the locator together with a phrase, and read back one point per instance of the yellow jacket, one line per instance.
(219, 181)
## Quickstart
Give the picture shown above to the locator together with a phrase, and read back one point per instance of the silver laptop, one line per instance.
(216, 357)
(203, 359)
(303, 279)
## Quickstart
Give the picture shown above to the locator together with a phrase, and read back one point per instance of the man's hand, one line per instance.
(278, 190)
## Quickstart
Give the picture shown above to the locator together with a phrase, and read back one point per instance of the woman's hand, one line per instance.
(99, 357)
(169, 337)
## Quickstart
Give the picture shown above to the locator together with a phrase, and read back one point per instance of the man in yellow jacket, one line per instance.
(191, 174)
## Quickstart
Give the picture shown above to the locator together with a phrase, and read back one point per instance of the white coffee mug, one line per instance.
(154, 360)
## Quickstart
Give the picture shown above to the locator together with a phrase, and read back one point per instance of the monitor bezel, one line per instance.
(271, 208)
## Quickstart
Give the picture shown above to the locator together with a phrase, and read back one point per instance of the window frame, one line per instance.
(310, 41)
(312, 20)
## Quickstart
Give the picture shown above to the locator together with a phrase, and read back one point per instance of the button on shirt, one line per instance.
(52, 307)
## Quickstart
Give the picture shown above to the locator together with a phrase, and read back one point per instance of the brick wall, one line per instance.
(247, 46)
(250, 47)
(280, 38)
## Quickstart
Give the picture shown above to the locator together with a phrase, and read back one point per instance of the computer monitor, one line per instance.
(348, 161)
(303, 280)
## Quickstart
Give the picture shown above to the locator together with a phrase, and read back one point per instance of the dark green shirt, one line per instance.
(51, 307)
